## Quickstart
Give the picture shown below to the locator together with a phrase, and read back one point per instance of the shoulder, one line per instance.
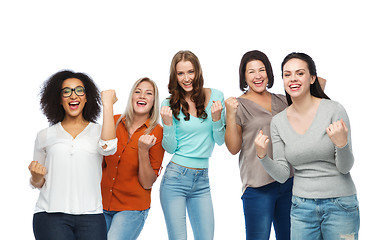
(45, 131)
(279, 117)
(280, 98)
(216, 94)
(116, 117)
(166, 102)
(331, 105)
(158, 131)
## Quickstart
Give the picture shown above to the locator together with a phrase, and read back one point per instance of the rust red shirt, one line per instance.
(121, 189)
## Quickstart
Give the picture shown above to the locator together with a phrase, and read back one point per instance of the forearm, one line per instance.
(37, 183)
(146, 174)
(108, 127)
(233, 137)
(278, 170)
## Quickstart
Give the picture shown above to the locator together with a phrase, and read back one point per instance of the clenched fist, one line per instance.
(261, 143)
(38, 171)
(166, 114)
(108, 97)
(145, 142)
(337, 133)
(231, 104)
(216, 110)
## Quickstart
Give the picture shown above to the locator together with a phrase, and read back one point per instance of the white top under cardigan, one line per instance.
(74, 169)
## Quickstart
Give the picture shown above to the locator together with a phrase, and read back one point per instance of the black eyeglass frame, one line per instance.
(73, 90)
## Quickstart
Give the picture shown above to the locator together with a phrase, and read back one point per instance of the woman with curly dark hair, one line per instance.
(67, 164)
(193, 119)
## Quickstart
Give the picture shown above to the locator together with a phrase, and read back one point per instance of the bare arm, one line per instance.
(146, 174)
(233, 135)
(108, 127)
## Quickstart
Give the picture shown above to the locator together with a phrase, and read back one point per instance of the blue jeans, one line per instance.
(125, 225)
(329, 218)
(183, 189)
(61, 226)
(267, 204)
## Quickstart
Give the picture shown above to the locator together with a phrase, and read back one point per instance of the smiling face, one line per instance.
(185, 74)
(73, 105)
(297, 78)
(143, 98)
(256, 76)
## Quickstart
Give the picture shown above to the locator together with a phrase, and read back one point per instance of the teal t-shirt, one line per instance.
(192, 142)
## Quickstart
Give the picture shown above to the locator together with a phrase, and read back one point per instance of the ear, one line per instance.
(313, 79)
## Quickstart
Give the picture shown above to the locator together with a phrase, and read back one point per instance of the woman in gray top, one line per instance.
(313, 135)
(264, 200)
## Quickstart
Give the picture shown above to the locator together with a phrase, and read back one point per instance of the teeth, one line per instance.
(142, 103)
(187, 84)
(258, 82)
(74, 103)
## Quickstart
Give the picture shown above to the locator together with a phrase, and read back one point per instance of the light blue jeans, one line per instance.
(330, 218)
(183, 189)
(124, 225)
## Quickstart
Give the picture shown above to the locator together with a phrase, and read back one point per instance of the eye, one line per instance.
(137, 91)
(80, 90)
(191, 72)
(180, 73)
(66, 90)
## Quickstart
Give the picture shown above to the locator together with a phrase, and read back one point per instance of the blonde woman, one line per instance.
(129, 174)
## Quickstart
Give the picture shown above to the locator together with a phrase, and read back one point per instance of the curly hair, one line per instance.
(177, 98)
(248, 57)
(50, 93)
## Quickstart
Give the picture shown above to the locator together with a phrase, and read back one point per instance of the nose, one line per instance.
(73, 95)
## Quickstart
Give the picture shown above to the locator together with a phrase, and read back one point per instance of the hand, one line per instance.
(261, 143)
(166, 115)
(108, 97)
(337, 133)
(145, 142)
(231, 104)
(38, 171)
(216, 110)
(322, 82)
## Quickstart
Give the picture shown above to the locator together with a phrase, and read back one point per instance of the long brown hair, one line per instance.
(177, 98)
(315, 88)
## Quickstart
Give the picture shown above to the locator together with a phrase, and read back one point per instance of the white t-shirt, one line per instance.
(74, 169)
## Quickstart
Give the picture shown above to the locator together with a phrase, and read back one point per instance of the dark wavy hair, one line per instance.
(177, 98)
(315, 88)
(50, 93)
(250, 56)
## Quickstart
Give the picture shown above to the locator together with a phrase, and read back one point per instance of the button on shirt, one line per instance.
(121, 189)
(73, 169)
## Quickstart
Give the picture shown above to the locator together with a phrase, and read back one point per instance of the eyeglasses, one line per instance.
(67, 92)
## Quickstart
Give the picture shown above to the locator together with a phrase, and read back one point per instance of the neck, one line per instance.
(68, 120)
(303, 104)
(138, 120)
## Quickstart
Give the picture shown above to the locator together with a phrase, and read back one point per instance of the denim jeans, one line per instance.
(267, 204)
(329, 218)
(124, 225)
(61, 226)
(183, 189)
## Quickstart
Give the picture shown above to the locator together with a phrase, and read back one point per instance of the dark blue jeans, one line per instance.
(266, 205)
(61, 226)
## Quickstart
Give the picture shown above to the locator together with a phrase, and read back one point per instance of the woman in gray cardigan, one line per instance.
(313, 135)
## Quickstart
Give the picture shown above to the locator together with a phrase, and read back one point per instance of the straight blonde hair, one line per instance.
(154, 111)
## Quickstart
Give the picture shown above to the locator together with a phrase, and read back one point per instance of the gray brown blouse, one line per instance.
(252, 117)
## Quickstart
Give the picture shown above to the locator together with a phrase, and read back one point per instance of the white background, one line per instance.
(117, 42)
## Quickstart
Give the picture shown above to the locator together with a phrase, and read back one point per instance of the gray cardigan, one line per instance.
(322, 170)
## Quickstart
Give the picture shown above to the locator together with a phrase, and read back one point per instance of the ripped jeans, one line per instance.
(329, 218)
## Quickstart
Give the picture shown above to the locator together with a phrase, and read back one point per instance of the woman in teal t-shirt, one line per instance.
(193, 120)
